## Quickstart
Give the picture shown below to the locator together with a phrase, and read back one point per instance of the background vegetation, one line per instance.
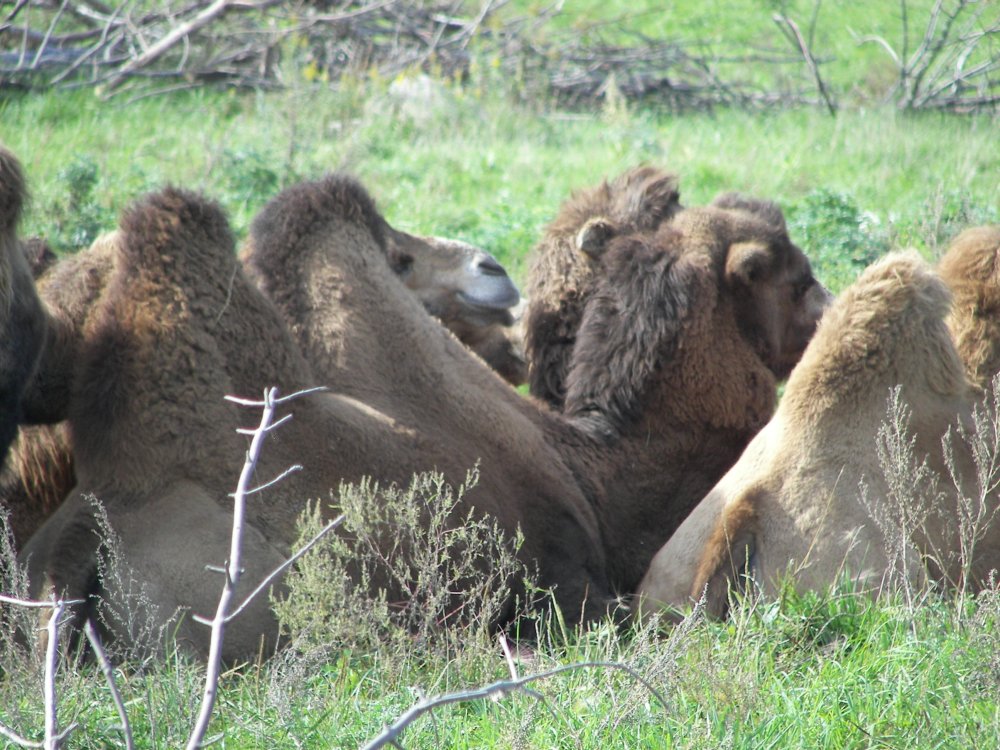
(480, 161)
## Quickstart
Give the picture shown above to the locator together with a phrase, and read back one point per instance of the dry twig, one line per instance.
(53, 736)
(391, 734)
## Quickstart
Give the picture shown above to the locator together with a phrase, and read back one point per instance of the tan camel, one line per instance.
(970, 268)
(792, 503)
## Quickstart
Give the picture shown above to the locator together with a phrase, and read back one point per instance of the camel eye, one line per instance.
(403, 264)
(801, 287)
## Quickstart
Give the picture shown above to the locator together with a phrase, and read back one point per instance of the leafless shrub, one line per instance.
(410, 569)
(911, 494)
(14, 621)
(984, 621)
(954, 65)
(975, 513)
(265, 44)
(125, 606)
(922, 523)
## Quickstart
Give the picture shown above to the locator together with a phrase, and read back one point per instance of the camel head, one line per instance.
(461, 285)
(778, 300)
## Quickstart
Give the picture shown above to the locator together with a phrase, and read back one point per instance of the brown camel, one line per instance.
(650, 429)
(38, 473)
(22, 317)
(179, 325)
(595, 494)
(564, 262)
(791, 504)
(461, 285)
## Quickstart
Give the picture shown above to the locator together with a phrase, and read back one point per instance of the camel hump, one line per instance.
(902, 280)
(765, 210)
(302, 210)
(648, 195)
(178, 232)
(13, 191)
(971, 267)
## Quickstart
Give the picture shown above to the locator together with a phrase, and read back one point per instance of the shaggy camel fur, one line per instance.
(791, 503)
(970, 268)
(461, 285)
(592, 493)
(178, 326)
(564, 262)
(38, 473)
(649, 431)
(22, 317)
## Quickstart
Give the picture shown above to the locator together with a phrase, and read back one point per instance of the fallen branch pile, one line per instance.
(139, 46)
(150, 46)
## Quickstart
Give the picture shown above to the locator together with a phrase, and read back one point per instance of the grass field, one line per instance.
(478, 169)
(830, 670)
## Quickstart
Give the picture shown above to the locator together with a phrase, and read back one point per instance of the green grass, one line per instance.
(816, 671)
(494, 174)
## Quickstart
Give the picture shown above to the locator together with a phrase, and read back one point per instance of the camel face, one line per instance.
(780, 302)
(460, 284)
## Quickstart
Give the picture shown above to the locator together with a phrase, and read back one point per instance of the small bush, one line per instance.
(411, 569)
(76, 218)
(943, 215)
(250, 180)
(839, 238)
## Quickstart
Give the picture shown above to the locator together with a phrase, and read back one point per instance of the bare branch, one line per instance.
(287, 472)
(35, 604)
(180, 32)
(18, 7)
(390, 735)
(280, 569)
(17, 739)
(233, 568)
(277, 401)
(795, 37)
(48, 34)
(109, 675)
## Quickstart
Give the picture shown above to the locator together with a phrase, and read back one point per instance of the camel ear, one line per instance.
(594, 236)
(748, 262)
